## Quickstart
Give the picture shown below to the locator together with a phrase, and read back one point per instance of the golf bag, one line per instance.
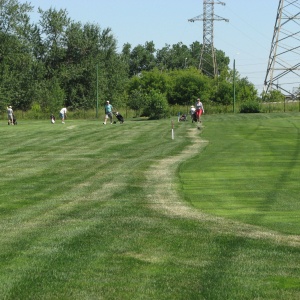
(183, 118)
(194, 117)
(52, 118)
(14, 121)
(119, 117)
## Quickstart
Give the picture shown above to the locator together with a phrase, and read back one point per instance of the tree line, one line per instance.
(60, 62)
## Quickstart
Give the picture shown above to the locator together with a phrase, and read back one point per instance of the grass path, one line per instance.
(165, 198)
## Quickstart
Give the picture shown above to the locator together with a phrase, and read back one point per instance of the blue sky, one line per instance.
(246, 37)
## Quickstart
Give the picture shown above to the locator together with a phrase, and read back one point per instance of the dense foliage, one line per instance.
(60, 62)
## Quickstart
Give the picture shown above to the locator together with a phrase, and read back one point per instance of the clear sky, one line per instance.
(246, 37)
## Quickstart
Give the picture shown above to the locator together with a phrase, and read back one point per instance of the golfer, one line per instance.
(192, 110)
(108, 112)
(10, 115)
(63, 114)
(199, 109)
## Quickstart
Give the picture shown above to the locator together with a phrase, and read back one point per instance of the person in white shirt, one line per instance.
(63, 114)
(192, 113)
(10, 115)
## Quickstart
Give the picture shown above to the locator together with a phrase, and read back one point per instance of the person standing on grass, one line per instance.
(199, 109)
(192, 111)
(63, 114)
(108, 112)
(10, 115)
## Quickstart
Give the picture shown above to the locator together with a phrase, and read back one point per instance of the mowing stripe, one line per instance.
(165, 199)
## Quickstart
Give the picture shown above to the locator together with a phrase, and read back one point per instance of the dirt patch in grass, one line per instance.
(165, 198)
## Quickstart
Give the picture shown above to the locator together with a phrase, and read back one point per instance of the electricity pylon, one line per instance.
(283, 71)
(208, 62)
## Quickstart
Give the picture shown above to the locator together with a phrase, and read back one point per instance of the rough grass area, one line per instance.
(99, 212)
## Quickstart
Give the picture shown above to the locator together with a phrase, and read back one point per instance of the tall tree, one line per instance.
(80, 65)
(15, 59)
(91, 54)
(245, 90)
(14, 17)
(54, 24)
(142, 58)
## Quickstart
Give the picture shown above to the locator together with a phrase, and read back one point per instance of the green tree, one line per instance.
(222, 61)
(15, 59)
(195, 50)
(224, 93)
(179, 56)
(54, 24)
(188, 85)
(136, 101)
(148, 81)
(156, 105)
(245, 90)
(162, 58)
(172, 58)
(273, 96)
(82, 59)
(155, 80)
(142, 58)
(14, 18)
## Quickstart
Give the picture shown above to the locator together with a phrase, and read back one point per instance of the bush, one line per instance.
(156, 106)
(250, 107)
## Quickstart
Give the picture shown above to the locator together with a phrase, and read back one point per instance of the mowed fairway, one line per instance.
(249, 171)
(109, 212)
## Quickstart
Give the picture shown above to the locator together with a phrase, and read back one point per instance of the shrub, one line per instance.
(156, 106)
(250, 107)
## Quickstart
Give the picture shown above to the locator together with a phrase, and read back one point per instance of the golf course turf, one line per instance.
(126, 212)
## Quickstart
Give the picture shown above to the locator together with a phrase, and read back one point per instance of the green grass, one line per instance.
(89, 211)
(249, 171)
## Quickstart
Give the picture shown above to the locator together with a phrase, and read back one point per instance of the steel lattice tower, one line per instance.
(283, 71)
(208, 62)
